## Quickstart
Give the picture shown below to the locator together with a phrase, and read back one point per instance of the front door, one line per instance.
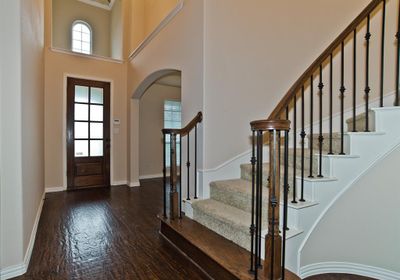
(88, 134)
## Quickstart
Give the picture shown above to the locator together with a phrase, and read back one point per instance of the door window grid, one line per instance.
(172, 119)
(92, 145)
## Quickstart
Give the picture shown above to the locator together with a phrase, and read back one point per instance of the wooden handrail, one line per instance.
(320, 60)
(184, 131)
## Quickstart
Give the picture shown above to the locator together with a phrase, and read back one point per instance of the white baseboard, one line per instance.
(348, 268)
(19, 269)
(119, 183)
(55, 189)
(134, 184)
(151, 176)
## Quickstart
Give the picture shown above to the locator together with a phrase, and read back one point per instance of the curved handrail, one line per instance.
(320, 60)
(184, 131)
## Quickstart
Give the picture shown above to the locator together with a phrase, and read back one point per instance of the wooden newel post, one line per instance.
(273, 244)
(174, 196)
(273, 240)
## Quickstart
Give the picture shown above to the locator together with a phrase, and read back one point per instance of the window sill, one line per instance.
(91, 56)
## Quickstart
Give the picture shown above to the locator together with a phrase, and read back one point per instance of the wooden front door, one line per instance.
(88, 134)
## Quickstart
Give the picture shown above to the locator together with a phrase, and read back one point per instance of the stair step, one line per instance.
(214, 254)
(360, 122)
(228, 221)
(336, 143)
(236, 193)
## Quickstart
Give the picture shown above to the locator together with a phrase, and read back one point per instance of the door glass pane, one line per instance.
(96, 113)
(81, 94)
(81, 112)
(96, 95)
(81, 130)
(81, 148)
(96, 130)
(96, 148)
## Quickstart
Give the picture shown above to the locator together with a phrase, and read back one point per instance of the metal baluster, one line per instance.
(342, 91)
(195, 162)
(180, 176)
(285, 199)
(331, 105)
(252, 226)
(354, 79)
(260, 160)
(367, 88)
(164, 177)
(321, 137)
(294, 148)
(188, 167)
(311, 136)
(303, 138)
(273, 199)
(383, 51)
(398, 59)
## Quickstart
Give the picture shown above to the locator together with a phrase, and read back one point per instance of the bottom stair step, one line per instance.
(218, 257)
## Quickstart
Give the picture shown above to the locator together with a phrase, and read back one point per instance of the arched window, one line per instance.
(81, 37)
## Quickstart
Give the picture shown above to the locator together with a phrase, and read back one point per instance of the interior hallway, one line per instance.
(110, 234)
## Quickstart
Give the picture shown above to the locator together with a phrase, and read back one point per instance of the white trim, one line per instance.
(222, 165)
(92, 56)
(350, 268)
(99, 5)
(158, 29)
(339, 195)
(119, 183)
(19, 269)
(151, 176)
(64, 132)
(55, 189)
(134, 184)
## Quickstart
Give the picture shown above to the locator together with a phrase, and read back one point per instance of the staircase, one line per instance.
(319, 146)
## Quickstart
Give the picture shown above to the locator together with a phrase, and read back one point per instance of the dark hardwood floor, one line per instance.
(109, 234)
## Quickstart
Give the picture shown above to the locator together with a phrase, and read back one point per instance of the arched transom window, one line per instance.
(81, 37)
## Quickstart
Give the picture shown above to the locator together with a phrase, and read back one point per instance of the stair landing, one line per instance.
(218, 257)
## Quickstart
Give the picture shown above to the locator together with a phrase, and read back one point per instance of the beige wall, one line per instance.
(146, 16)
(372, 239)
(151, 124)
(116, 31)
(32, 104)
(66, 12)
(185, 53)
(253, 54)
(57, 67)
(22, 166)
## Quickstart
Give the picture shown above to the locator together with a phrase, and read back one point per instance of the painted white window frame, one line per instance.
(79, 21)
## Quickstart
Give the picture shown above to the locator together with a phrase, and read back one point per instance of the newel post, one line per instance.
(273, 245)
(174, 196)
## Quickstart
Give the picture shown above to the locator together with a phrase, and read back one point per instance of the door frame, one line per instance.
(64, 132)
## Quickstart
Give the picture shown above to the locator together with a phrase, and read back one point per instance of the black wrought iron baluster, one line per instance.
(331, 105)
(164, 177)
(180, 176)
(397, 100)
(382, 81)
(367, 87)
(342, 91)
(294, 148)
(303, 138)
(188, 167)
(285, 199)
(321, 137)
(311, 136)
(252, 226)
(354, 79)
(260, 203)
(195, 162)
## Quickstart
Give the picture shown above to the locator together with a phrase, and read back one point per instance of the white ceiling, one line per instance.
(104, 4)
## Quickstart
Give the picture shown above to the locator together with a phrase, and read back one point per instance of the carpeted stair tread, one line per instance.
(228, 221)
(236, 193)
